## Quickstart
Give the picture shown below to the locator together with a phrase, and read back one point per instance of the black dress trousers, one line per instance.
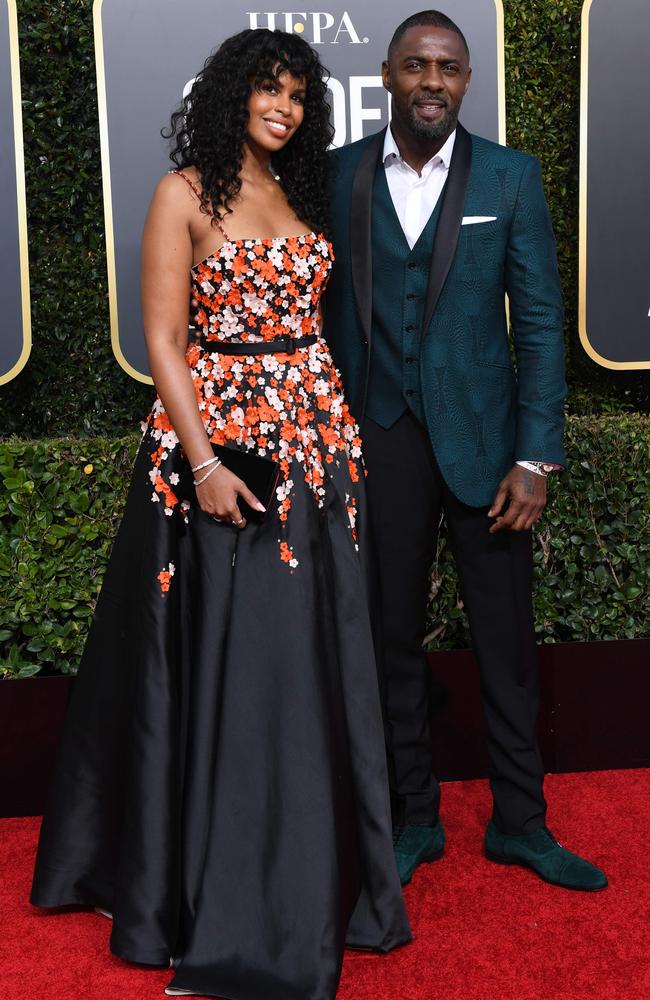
(407, 498)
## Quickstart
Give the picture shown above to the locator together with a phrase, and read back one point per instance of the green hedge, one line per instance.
(60, 502)
(90, 394)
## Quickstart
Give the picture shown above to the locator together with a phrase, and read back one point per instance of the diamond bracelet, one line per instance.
(213, 468)
(204, 465)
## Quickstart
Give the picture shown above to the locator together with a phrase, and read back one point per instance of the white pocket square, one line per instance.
(471, 220)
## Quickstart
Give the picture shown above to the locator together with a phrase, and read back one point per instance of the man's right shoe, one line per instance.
(414, 845)
(548, 858)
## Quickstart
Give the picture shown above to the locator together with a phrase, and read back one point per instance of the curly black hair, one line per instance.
(209, 129)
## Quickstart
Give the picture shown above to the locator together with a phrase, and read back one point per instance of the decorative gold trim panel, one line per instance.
(501, 70)
(21, 202)
(108, 198)
(582, 239)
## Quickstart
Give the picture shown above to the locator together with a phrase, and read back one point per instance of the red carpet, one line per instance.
(482, 932)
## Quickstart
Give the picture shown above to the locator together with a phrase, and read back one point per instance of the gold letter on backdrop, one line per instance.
(15, 318)
(615, 183)
(148, 52)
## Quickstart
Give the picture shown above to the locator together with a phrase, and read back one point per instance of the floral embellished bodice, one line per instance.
(253, 290)
(289, 407)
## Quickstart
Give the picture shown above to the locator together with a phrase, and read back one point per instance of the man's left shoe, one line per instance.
(541, 852)
(415, 844)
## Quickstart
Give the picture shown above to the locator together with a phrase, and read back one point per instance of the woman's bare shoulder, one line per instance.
(178, 189)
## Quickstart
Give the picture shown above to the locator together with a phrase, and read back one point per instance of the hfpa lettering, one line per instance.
(319, 26)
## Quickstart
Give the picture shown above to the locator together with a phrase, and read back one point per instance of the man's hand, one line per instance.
(525, 492)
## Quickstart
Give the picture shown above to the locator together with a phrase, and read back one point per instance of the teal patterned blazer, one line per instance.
(482, 411)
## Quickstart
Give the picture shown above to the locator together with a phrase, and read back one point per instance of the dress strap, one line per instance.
(197, 191)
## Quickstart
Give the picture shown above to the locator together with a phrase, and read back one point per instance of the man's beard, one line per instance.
(432, 130)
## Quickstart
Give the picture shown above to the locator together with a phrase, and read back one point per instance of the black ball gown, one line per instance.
(221, 787)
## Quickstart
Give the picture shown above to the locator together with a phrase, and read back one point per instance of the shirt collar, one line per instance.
(443, 155)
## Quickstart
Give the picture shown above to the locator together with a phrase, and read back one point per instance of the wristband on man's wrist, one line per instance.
(541, 468)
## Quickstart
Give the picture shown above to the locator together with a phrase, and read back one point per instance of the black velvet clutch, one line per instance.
(260, 475)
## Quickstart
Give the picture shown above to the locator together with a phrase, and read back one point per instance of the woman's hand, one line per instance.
(218, 497)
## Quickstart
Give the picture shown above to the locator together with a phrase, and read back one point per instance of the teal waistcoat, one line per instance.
(399, 287)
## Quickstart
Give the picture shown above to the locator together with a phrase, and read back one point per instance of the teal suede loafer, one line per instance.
(541, 852)
(414, 845)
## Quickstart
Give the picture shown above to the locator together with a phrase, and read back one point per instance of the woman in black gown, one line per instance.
(221, 787)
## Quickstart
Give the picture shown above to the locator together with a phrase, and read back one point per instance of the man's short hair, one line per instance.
(430, 18)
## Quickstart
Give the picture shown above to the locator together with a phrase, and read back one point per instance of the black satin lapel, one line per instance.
(449, 223)
(361, 231)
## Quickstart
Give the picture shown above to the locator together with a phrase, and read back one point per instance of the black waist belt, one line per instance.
(279, 345)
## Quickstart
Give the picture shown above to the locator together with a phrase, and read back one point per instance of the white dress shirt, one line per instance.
(415, 195)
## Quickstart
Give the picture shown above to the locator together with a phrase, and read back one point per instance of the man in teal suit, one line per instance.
(432, 227)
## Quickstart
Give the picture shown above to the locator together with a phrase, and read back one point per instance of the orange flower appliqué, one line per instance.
(164, 578)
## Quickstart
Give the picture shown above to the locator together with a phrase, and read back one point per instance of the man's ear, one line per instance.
(469, 79)
(385, 75)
